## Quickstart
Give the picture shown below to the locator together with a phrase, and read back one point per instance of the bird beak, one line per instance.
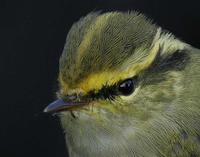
(61, 105)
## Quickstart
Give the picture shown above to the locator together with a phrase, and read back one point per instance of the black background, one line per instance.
(32, 36)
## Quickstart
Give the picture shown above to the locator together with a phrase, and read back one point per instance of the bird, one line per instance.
(127, 88)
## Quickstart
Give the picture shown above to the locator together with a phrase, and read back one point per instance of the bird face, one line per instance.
(120, 76)
(109, 66)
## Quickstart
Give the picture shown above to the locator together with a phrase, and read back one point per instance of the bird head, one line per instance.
(118, 74)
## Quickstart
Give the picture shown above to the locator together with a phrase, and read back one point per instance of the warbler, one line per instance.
(128, 88)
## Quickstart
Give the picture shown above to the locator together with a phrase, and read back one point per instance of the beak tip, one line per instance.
(45, 110)
(53, 106)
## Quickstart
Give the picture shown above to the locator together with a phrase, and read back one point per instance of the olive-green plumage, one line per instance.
(112, 41)
(158, 117)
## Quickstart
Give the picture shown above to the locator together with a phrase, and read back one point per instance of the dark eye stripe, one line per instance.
(125, 87)
(106, 92)
(175, 61)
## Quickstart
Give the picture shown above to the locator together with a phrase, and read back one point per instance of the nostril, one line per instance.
(70, 98)
(73, 97)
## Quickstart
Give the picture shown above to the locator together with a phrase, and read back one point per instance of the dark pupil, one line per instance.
(126, 87)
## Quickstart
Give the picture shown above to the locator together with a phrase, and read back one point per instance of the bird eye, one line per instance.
(126, 87)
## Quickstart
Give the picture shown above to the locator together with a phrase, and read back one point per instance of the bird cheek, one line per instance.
(99, 107)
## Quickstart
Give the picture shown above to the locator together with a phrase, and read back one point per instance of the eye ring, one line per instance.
(126, 87)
